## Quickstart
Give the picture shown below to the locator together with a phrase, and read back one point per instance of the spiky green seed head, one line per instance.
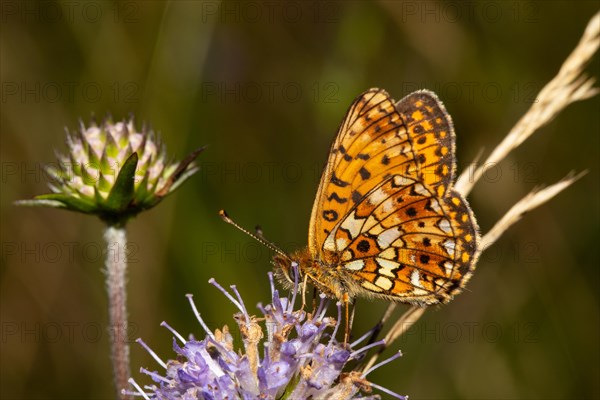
(114, 171)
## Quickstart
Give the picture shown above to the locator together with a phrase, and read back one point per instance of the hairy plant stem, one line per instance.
(116, 269)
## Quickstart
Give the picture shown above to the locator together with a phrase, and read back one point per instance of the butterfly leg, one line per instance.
(346, 301)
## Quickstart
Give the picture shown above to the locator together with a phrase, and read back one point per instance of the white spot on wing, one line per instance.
(386, 267)
(445, 225)
(415, 278)
(448, 266)
(376, 196)
(435, 206)
(388, 206)
(329, 243)
(420, 189)
(450, 246)
(383, 283)
(355, 265)
(400, 180)
(369, 286)
(353, 225)
(387, 237)
(341, 243)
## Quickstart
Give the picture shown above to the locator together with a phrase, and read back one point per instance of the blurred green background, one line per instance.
(265, 85)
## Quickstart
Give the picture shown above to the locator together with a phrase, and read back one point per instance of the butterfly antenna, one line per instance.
(258, 236)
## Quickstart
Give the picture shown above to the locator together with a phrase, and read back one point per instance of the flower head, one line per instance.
(292, 354)
(114, 171)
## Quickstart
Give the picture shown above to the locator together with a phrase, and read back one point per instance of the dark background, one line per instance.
(265, 85)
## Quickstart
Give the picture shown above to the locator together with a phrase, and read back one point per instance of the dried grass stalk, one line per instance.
(568, 86)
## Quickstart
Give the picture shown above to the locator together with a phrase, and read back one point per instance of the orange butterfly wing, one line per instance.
(432, 137)
(372, 141)
(417, 250)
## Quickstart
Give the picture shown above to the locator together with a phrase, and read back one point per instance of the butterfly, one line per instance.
(386, 221)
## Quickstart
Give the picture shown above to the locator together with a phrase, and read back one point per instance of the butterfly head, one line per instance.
(301, 267)
(294, 268)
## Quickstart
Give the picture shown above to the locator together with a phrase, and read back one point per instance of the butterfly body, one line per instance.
(386, 222)
(329, 277)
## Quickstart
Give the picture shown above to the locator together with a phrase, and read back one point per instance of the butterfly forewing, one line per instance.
(372, 143)
(432, 136)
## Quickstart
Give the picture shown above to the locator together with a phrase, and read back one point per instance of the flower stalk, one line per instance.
(116, 274)
(115, 172)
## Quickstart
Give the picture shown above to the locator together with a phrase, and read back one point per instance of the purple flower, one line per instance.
(293, 355)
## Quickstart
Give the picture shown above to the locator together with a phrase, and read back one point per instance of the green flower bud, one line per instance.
(113, 171)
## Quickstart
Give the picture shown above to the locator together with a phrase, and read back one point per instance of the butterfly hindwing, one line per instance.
(403, 242)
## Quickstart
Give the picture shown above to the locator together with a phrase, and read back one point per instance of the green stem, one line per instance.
(116, 269)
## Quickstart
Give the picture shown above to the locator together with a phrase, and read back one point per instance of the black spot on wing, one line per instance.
(334, 196)
(363, 246)
(337, 181)
(364, 173)
(428, 205)
(330, 215)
